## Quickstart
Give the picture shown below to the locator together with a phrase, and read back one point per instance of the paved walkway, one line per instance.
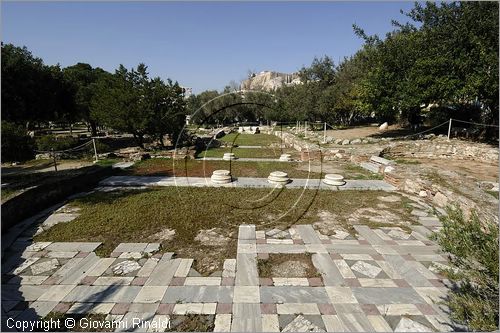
(246, 159)
(120, 181)
(381, 280)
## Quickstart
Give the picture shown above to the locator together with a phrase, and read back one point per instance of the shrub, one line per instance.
(17, 145)
(473, 252)
(49, 142)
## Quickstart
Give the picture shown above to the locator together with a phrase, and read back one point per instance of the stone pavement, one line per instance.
(378, 280)
(119, 181)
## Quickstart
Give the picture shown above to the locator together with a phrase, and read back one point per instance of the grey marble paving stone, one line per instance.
(410, 274)
(246, 232)
(292, 294)
(73, 246)
(77, 274)
(369, 235)
(280, 248)
(329, 271)
(350, 249)
(246, 318)
(308, 234)
(246, 270)
(131, 247)
(163, 272)
(198, 294)
(95, 294)
(355, 322)
(380, 295)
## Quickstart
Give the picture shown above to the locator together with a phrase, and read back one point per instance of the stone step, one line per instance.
(381, 160)
(370, 166)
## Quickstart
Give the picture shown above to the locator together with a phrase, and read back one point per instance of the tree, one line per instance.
(83, 79)
(131, 102)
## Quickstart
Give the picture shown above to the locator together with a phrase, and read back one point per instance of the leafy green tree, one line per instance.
(83, 79)
(131, 102)
(17, 145)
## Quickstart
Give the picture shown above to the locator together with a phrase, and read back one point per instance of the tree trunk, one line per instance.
(93, 128)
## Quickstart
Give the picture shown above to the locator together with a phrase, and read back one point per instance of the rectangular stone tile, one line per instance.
(333, 323)
(96, 308)
(379, 324)
(440, 323)
(329, 271)
(246, 294)
(66, 269)
(202, 281)
(355, 322)
(344, 269)
(246, 318)
(355, 256)
(131, 247)
(75, 275)
(280, 241)
(377, 283)
(386, 295)
(41, 308)
(293, 295)
(409, 243)
(340, 295)
(198, 294)
(143, 307)
(386, 249)
(148, 267)
(432, 295)
(163, 272)
(247, 248)
(95, 294)
(429, 221)
(55, 254)
(246, 270)
(270, 323)
(417, 250)
(222, 323)
(113, 280)
(28, 279)
(398, 310)
(246, 231)
(291, 281)
(347, 308)
(56, 293)
(410, 274)
(429, 257)
(194, 308)
(73, 246)
(369, 235)
(280, 248)
(355, 248)
(316, 248)
(184, 267)
(150, 294)
(101, 267)
(24, 264)
(307, 234)
(229, 268)
(298, 308)
(388, 269)
(382, 234)
(421, 269)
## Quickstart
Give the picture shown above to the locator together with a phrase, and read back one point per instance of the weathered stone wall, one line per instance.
(442, 149)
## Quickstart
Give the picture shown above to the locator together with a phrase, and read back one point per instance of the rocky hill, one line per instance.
(268, 81)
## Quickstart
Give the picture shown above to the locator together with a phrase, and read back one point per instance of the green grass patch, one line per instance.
(198, 168)
(493, 193)
(134, 216)
(260, 139)
(241, 152)
(353, 171)
(406, 161)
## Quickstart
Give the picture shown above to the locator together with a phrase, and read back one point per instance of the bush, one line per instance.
(49, 142)
(473, 252)
(17, 145)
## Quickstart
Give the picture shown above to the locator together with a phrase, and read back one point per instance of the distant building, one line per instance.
(187, 91)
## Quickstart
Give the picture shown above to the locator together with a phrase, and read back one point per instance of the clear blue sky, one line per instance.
(201, 45)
